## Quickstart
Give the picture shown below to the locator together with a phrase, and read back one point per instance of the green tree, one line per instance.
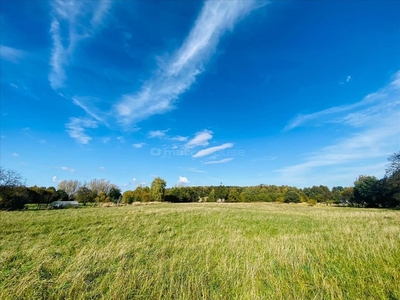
(181, 194)
(128, 197)
(233, 195)
(292, 196)
(320, 193)
(52, 194)
(145, 194)
(221, 192)
(13, 198)
(13, 194)
(347, 195)
(157, 190)
(84, 195)
(114, 194)
(211, 196)
(62, 195)
(248, 194)
(139, 194)
(336, 193)
(102, 197)
(365, 190)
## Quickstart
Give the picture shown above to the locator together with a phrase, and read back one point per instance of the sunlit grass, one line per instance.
(201, 251)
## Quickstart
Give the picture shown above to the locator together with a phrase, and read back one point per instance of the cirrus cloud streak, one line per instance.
(212, 150)
(175, 76)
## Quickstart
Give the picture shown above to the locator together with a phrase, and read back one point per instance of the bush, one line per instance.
(292, 196)
(11, 202)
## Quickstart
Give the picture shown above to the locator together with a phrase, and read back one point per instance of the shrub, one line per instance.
(292, 196)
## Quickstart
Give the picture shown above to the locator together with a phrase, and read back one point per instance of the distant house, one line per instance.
(64, 204)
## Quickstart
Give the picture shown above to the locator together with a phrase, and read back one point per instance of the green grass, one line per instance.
(201, 251)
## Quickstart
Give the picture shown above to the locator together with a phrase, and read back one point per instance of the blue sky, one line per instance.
(299, 93)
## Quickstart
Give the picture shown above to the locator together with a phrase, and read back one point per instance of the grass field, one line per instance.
(201, 251)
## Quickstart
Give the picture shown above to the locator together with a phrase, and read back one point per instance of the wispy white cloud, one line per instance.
(139, 145)
(72, 13)
(179, 138)
(304, 119)
(58, 58)
(195, 170)
(54, 179)
(365, 145)
(374, 134)
(212, 150)
(370, 101)
(15, 154)
(102, 168)
(201, 139)
(100, 12)
(176, 75)
(11, 54)
(225, 160)
(76, 129)
(90, 109)
(66, 169)
(162, 134)
(157, 133)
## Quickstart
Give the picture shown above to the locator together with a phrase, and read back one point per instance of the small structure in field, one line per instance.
(64, 204)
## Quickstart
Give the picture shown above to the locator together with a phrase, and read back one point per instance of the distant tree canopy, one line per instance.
(84, 195)
(372, 192)
(365, 189)
(368, 191)
(211, 196)
(157, 190)
(233, 195)
(114, 194)
(319, 193)
(12, 192)
(292, 196)
(182, 194)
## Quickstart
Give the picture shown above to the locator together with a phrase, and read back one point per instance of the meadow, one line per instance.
(201, 251)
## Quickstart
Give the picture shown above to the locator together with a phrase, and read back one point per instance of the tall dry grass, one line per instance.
(201, 251)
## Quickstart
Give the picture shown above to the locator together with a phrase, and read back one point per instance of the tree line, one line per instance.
(15, 195)
(368, 191)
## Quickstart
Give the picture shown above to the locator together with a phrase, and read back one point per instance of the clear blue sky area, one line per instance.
(296, 93)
